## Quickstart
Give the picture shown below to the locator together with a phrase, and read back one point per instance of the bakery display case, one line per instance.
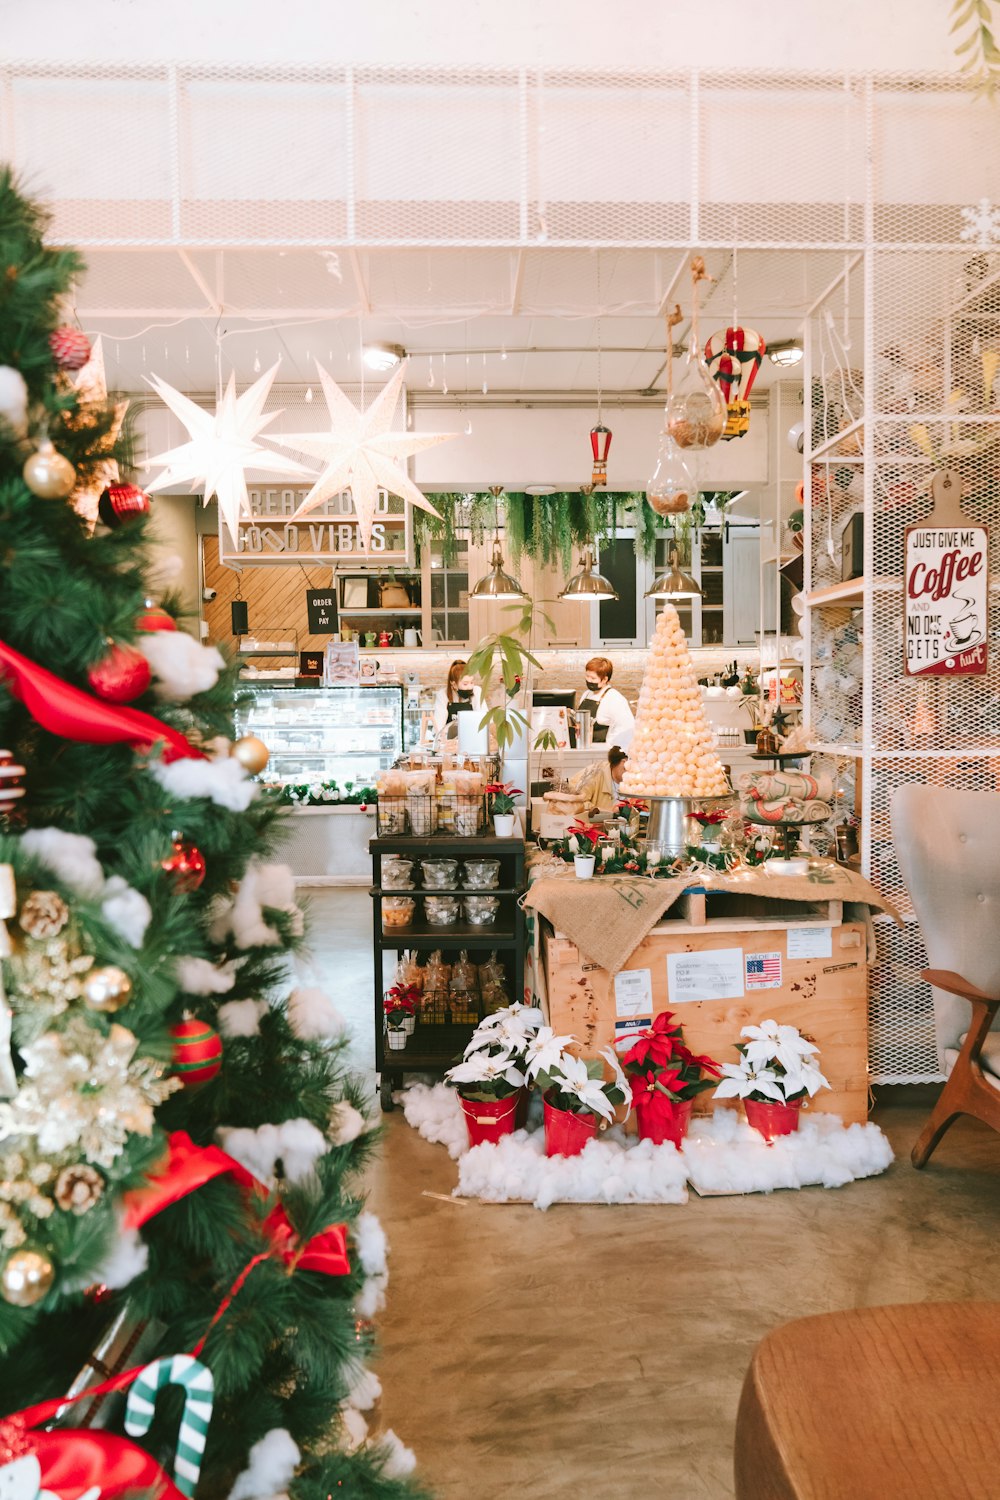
(337, 734)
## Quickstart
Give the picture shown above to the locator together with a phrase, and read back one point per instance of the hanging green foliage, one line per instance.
(548, 529)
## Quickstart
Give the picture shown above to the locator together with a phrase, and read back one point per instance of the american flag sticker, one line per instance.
(763, 971)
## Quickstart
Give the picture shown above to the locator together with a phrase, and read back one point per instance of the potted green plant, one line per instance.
(576, 1092)
(491, 1077)
(400, 1008)
(502, 794)
(665, 1077)
(583, 839)
(775, 1076)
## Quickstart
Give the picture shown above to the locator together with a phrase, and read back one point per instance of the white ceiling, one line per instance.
(520, 321)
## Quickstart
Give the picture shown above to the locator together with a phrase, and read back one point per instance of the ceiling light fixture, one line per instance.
(785, 352)
(497, 583)
(589, 586)
(674, 584)
(539, 489)
(383, 357)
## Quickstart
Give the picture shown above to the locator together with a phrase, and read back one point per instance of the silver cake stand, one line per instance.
(671, 825)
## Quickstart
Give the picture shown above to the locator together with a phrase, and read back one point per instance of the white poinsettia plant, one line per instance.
(777, 1065)
(494, 1063)
(573, 1083)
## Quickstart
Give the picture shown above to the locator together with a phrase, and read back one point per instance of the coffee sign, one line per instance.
(946, 600)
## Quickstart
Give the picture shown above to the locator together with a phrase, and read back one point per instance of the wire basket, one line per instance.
(458, 814)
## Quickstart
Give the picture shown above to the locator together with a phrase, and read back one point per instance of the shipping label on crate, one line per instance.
(763, 971)
(946, 601)
(714, 975)
(634, 992)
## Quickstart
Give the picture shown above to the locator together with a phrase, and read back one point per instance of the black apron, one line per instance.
(590, 705)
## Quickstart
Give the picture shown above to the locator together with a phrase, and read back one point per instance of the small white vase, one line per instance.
(503, 825)
(409, 1025)
(396, 1038)
(584, 866)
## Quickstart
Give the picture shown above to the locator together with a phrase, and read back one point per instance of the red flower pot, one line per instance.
(487, 1120)
(664, 1120)
(566, 1134)
(772, 1119)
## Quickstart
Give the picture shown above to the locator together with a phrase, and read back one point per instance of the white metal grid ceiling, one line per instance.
(457, 209)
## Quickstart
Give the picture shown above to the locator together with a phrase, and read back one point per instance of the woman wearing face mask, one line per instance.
(458, 689)
(613, 720)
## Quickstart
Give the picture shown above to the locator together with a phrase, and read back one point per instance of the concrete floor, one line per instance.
(600, 1351)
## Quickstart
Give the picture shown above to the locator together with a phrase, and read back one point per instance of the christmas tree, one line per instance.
(673, 750)
(179, 1143)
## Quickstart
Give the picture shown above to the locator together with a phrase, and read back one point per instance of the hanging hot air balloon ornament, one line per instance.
(696, 412)
(734, 356)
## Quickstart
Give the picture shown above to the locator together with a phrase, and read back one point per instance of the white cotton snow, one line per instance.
(241, 1017)
(297, 1144)
(127, 1259)
(273, 1460)
(370, 1243)
(725, 1155)
(606, 1171)
(243, 917)
(313, 1016)
(126, 910)
(397, 1460)
(199, 976)
(224, 782)
(355, 1428)
(366, 1389)
(436, 1112)
(71, 856)
(346, 1124)
(181, 665)
(722, 1154)
(371, 1298)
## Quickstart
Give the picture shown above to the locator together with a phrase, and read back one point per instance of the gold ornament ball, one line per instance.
(26, 1277)
(106, 990)
(47, 474)
(252, 754)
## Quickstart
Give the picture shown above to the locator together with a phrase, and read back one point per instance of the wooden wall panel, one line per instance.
(275, 597)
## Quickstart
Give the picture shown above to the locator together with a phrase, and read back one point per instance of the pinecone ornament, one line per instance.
(43, 915)
(78, 1188)
(70, 347)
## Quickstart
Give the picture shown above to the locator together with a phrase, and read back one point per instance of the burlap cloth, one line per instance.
(608, 917)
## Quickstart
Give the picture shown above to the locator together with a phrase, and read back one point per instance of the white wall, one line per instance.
(882, 35)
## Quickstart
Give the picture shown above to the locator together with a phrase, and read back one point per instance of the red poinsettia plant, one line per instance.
(587, 835)
(660, 1067)
(400, 1001)
(709, 819)
(503, 794)
(631, 804)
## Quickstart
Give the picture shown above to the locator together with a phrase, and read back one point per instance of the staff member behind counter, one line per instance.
(458, 689)
(614, 722)
(599, 783)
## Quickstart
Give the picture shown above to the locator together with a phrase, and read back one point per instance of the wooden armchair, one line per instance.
(948, 847)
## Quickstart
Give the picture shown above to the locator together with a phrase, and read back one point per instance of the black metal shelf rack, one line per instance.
(433, 1046)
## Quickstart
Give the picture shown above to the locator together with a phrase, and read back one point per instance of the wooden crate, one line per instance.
(827, 998)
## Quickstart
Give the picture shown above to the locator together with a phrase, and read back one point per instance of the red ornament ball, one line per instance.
(197, 1052)
(121, 675)
(121, 503)
(155, 618)
(70, 347)
(185, 864)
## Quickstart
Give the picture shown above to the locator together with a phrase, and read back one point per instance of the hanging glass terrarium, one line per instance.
(671, 486)
(696, 410)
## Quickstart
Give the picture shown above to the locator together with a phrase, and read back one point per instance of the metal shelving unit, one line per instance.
(434, 1047)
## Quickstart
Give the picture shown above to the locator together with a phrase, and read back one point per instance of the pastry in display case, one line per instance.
(341, 734)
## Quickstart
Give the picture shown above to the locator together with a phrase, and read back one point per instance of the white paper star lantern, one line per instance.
(361, 454)
(223, 446)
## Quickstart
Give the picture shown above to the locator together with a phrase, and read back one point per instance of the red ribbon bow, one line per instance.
(72, 714)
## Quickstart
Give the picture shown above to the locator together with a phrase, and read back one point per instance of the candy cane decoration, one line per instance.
(196, 1381)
